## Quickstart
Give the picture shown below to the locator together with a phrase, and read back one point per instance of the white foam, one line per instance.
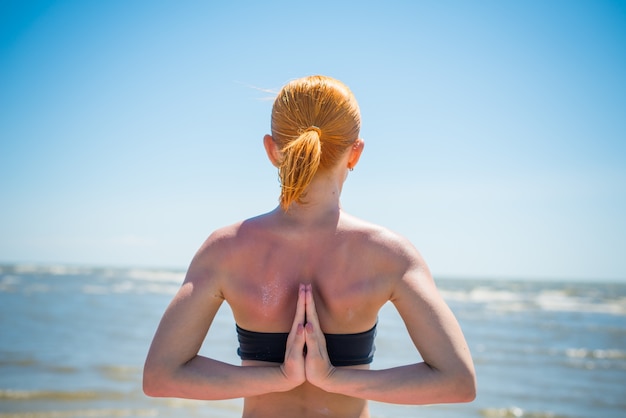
(160, 275)
(481, 294)
(156, 275)
(608, 354)
(555, 300)
(531, 299)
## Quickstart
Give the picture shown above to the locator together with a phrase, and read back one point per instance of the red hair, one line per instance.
(314, 121)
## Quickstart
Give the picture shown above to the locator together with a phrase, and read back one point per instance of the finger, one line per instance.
(295, 343)
(293, 365)
(311, 312)
(299, 317)
(314, 334)
(297, 327)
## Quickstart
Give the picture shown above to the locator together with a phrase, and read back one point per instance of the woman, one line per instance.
(305, 283)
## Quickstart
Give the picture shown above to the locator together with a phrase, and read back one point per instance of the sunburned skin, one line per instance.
(310, 270)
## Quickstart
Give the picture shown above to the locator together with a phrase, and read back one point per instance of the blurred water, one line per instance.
(73, 342)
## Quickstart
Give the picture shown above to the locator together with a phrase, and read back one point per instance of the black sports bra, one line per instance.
(343, 349)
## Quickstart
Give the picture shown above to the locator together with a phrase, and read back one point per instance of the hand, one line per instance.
(293, 367)
(317, 364)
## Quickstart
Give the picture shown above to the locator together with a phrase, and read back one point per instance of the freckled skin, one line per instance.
(270, 295)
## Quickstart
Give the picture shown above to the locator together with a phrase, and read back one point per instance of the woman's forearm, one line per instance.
(207, 379)
(415, 384)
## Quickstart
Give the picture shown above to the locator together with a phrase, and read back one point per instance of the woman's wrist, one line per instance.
(328, 381)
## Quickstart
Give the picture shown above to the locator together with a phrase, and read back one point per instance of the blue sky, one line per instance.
(495, 131)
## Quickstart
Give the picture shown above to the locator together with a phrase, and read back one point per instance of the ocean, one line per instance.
(73, 341)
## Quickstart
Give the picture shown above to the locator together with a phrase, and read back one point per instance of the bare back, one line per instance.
(352, 266)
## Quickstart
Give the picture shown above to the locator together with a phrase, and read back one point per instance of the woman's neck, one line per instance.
(320, 205)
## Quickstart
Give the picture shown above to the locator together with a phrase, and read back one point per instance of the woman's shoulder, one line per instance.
(391, 255)
(377, 237)
(237, 234)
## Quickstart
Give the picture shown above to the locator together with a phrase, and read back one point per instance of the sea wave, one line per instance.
(516, 412)
(520, 300)
(596, 359)
(167, 276)
(129, 286)
(31, 395)
(30, 279)
(609, 354)
(83, 413)
(47, 269)
(120, 373)
(559, 300)
(154, 275)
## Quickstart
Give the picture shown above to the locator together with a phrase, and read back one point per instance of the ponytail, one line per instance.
(310, 114)
(301, 159)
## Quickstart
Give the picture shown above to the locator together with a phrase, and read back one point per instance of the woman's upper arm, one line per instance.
(431, 324)
(187, 319)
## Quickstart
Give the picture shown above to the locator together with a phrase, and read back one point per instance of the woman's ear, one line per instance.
(355, 152)
(271, 148)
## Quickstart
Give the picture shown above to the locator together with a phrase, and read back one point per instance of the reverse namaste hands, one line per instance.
(306, 357)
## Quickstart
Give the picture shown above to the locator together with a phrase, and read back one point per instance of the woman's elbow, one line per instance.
(155, 382)
(150, 385)
(464, 388)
